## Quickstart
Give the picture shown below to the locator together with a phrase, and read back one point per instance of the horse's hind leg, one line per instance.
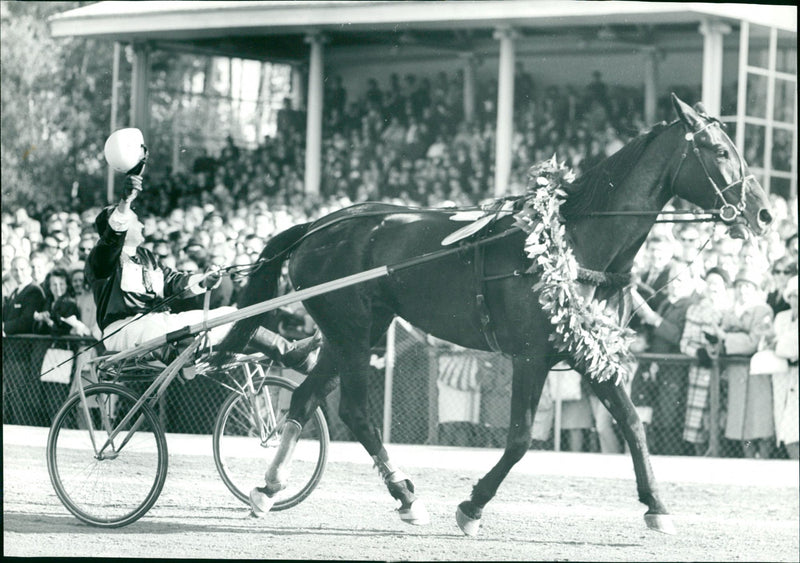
(354, 370)
(527, 383)
(305, 399)
(616, 400)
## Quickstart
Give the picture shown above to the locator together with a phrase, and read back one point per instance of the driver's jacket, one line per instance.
(125, 285)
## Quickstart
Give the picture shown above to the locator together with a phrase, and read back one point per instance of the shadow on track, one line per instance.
(51, 524)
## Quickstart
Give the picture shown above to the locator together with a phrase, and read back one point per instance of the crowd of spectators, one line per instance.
(411, 144)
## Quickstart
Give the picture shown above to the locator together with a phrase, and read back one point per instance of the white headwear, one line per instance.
(124, 149)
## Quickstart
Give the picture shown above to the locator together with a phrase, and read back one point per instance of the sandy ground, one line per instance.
(553, 506)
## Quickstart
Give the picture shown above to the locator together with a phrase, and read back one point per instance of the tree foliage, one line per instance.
(56, 110)
(56, 95)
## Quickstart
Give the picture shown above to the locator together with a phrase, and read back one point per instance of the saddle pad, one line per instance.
(468, 230)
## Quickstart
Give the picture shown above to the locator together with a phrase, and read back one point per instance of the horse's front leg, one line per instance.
(305, 399)
(527, 383)
(619, 404)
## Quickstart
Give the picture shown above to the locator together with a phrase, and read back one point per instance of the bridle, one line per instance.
(727, 212)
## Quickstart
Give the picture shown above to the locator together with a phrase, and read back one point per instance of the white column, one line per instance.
(114, 107)
(651, 56)
(712, 32)
(314, 118)
(469, 86)
(505, 110)
(298, 88)
(140, 94)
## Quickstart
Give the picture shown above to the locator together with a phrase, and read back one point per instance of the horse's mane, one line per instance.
(590, 191)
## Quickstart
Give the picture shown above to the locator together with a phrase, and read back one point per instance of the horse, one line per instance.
(608, 213)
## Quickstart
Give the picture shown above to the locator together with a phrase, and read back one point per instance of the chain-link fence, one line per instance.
(429, 392)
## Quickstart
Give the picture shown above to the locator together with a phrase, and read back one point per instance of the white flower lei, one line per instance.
(599, 346)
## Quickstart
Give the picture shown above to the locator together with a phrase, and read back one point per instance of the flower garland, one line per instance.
(586, 330)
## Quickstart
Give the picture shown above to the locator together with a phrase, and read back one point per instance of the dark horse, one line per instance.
(691, 158)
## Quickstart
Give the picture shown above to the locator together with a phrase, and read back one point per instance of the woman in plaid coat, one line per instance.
(703, 317)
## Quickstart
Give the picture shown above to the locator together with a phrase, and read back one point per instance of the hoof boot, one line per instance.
(660, 523)
(416, 514)
(262, 499)
(469, 526)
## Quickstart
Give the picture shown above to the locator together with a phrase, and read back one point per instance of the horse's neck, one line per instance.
(610, 243)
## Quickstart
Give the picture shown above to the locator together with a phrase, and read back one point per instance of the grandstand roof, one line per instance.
(232, 26)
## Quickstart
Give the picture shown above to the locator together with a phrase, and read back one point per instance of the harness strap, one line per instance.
(595, 277)
(487, 328)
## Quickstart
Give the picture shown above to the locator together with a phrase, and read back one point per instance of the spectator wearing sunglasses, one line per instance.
(783, 269)
(85, 246)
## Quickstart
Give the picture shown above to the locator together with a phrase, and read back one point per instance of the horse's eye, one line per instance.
(722, 154)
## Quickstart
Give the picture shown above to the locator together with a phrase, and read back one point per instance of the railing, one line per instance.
(408, 393)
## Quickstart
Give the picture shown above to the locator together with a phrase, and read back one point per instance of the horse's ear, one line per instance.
(700, 109)
(686, 113)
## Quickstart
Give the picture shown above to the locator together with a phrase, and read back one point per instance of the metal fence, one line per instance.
(424, 391)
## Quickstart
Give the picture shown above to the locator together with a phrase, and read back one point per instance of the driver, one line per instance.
(128, 280)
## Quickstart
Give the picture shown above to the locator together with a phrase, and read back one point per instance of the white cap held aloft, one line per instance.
(124, 149)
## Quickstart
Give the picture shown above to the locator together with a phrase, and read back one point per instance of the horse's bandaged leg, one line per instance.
(278, 470)
(412, 510)
(389, 473)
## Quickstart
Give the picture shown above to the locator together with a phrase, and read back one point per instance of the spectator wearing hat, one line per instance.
(749, 405)
(131, 289)
(702, 318)
(785, 384)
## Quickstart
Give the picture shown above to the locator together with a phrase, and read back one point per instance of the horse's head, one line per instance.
(713, 175)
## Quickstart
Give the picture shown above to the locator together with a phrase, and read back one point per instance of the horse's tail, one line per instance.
(262, 285)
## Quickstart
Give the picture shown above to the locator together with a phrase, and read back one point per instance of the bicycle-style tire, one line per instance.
(121, 487)
(242, 459)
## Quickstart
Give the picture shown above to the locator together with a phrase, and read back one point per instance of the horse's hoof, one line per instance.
(261, 501)
(660, 523)
(416, 514)
(469, 526)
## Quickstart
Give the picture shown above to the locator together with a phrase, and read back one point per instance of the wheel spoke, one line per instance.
(241, 456)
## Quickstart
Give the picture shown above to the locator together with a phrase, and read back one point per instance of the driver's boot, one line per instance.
(295, 354)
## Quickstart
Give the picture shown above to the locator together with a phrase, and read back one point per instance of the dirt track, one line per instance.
(556, 507)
